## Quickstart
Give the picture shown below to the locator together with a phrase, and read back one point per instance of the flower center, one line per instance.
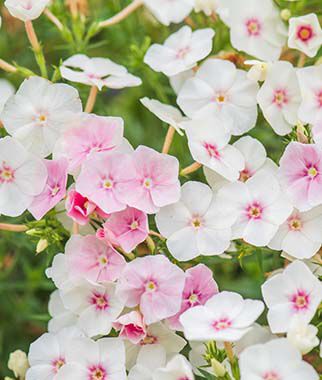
(147, 183)
(211, 150)
(312, 172)
(55, 190)
(134, 225)
(253, 27)
(221, 324)
(295, 224)
(280, 98)
(99, 300)
(300, 300)
(149, 339)
(305, 33)
(193, 298)
(103, 260)
(7, 174)
(97, 373)
(58, 363)
(40, 118)
(107, 184)
(271, 375)
(254, 211)
(221, 98)
(196, 222)
(244, 175)
(150, 286)
(181, 53)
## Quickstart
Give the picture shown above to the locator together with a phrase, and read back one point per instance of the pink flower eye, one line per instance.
(97, 373)
(253, 27)
(58, 363)
(7, 174)
(271, 376)
(280, 98)
(254, 211)
(221, 324)
(99, 300)
(305, 33)
(300, 300)
(295, 224)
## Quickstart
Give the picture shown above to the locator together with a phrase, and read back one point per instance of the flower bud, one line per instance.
(218, 368)
(42, 245)
(18, 363)
(286, 14)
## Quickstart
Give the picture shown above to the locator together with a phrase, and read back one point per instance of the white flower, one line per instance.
(61, 317)
(96, 305)
(99, 72)
(177, 368)
(305, 34)
(302, 336)
(208, 144)
(177, 81)
(300, 235)
(58, 272)
(260, 207)
(18, 363)
(310, 79)
(256, 28)
(279, 97)
(258, 70)
(47, 355)
(294, 292)
(168, 11)
(275, 360)
(220, 90)
(226, 317)
(208, 7)
(22, 177)
(100, 360)
(181, 51)
(26, 10)
(150, 358)
(168, 114)
(6, 90)
(39, 112)
(196, 225)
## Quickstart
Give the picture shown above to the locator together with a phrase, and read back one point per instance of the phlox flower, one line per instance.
(149, 359)
(89, 134)
(96, 306)
(220, 90)
(258, 70)
(181, 51)
(198, 288)
(196, 225)
(6, 90)
(54, 191)
(153, 283)
(301, 174)
(58, 272)
(280, 97)
(259, 205)
(26, 10)
(256, 28)
(127, 228)
(302, 335)
(99, 72)
(60, 316)
(177, 368)
(225, 317)
(275, 360)
(177, 81)
(208, 144)
(310, 80)
(294, 292)
(39, 112)
(89, 360)
(22, 177)
(300, 235)
(305, 34)
(131, 327)
(170, 11)
(166, 113)
(47, 355)
(154, 181)
(208, 7)
(93, 259)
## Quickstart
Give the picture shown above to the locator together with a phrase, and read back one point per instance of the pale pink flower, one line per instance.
(127, 228)
(26, 10)
(131, 326)
(155, 183)
(54, 191)
(199, 287)
(93, 259)
(155, 284)
(80, 209)
(301, 174)
(103, 178)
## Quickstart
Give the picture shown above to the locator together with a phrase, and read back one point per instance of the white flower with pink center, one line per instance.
(280, 97)
(89, 360)
(259, 206)
(60, 316)
(310, 79)
(305, 34)
(153, 283)
(26, 10)
(301, 174)
(295, 292)
(96, 305)
(39, 112)
(300, 236)
(47, 355)
(209, 145)
(22, 177)
(181, 51)
(99, 72)
(256, 28)
(169, 11)
(197, 224)
(224, 317)
(230, 96)
(274, 360)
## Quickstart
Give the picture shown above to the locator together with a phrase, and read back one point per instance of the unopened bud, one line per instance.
(18, 363)
(42, 245)
(218, 368)
(286, 14)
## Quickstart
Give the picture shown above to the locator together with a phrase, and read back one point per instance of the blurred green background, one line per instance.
(24, 288)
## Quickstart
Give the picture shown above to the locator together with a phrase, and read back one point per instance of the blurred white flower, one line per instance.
(170, 10)
(302, 336)
(26, 10)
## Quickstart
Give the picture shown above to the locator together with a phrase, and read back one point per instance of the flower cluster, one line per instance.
(129, 299)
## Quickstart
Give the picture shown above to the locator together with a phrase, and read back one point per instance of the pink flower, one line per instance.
(127, 228)
(131, 326)
(156, 182)
(155, 284)
(55, 188)
(301, 174)
(93, 259)
(93, 134)
(79, 208)
(102, 177)
(199, 287)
